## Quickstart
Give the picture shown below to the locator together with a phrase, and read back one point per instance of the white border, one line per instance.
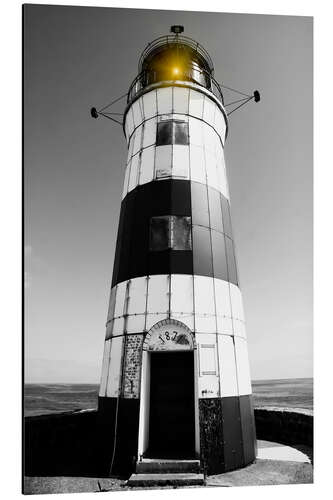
(10, 248)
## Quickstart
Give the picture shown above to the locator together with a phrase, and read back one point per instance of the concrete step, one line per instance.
(155, 465)
(174, 479)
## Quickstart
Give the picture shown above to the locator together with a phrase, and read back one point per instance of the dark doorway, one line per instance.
(171, 422)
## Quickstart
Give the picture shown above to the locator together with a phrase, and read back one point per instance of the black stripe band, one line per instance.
(212, 253)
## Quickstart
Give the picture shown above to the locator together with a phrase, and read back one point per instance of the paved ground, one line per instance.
(276, 464)
(275, 451)
(265, 472)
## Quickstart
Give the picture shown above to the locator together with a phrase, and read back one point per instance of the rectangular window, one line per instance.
(172, 132)
(181, 233)
(180, 132)
(170, 232)
(164, 133)
(159, 233)
(207, 359)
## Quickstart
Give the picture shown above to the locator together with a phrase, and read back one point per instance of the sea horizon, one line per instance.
(97, 383)
(57, 397)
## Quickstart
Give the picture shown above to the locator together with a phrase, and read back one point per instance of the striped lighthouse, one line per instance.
(175, 377)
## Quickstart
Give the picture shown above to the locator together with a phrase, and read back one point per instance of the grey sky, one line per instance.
(76, 57)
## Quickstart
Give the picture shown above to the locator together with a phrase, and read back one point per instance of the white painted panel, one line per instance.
(180, 100)
(127, 173)
(164, 100)
(205, 320)
(204, 295)
(144, 404)
(127, 129)
(186, 318)
(208, 386)
(137, 296)
(152, 319)
(163, 161)
(209, 111)
(130, 149)
(197, 164)
(224, 325)
(222, 183)
(180, 161)
(206, 338)
(196, 131)
(118, 326)
(221, 172)
(143, 440)
(196, 103)
(217, 142)
(243, 367)
(112, 303)
(137, 113)
(181, 117)
(105, 368)
(147, 165)
(109, 328)
(149, 133)
(207, 359)
(211, 170)
(209, 138)
(134, 173)
(239, 328)
(120, 299)
(227, 362)
(205, 323)
(141, 108)
(136, 323)
(220, 156)
(137, 140)
(150, 104)
(220, 125)
(222, 298)
(112, 388)
(182, 293)
(158, 294)
(130, 121)
(236, 302)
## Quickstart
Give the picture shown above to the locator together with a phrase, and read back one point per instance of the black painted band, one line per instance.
(212, 251)
(227, 431)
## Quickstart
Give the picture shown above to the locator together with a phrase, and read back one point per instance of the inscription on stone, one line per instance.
(169, 335)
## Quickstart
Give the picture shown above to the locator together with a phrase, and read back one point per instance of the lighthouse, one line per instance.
(175, 378)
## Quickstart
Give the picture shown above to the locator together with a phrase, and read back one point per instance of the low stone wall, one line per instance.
(61, 444)
(72, 443)
(284, 426)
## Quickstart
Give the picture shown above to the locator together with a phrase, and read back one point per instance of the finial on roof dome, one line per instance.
(177, 28)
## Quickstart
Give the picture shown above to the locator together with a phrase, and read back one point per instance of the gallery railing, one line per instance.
(149, 77)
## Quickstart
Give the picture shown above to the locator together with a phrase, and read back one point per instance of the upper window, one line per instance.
(170, 232)
(172, 132)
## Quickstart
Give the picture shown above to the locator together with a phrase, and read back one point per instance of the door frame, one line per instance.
(144, 415)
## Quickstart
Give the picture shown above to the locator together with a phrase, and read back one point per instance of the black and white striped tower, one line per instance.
(175, 378)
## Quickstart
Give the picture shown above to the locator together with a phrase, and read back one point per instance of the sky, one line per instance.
(78, 57)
